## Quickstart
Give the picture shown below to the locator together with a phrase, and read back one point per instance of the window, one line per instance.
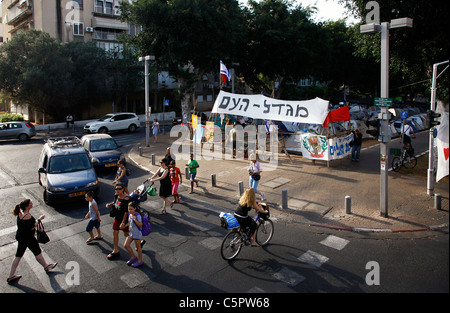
(78, 29)
(80, 3)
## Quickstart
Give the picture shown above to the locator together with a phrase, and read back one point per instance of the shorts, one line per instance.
(193, 177)
(175, 188)
(92, 223)
(116, 226)
(31, 244)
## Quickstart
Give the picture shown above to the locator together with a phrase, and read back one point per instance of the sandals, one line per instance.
(51, 266)
(113, 255)
(92, 239)
(132, 261)
(12, 279)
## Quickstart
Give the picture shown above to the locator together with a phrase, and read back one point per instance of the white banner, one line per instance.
(442, 143)
(261, 107)
(316, 147)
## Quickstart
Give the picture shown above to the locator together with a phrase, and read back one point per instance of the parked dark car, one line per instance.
(103, 149)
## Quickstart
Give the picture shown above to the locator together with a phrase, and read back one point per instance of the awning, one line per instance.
(104, 22)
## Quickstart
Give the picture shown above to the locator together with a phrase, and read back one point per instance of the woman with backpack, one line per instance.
(135, 234)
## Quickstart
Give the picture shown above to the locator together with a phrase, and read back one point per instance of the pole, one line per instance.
(384, 121)
(147, 104)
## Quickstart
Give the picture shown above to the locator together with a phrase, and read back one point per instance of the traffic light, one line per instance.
(432, 116)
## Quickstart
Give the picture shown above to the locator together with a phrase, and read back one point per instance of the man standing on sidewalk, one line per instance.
(193, 165)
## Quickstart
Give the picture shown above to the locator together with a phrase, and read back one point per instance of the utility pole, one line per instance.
(384, 102)
(146, 59)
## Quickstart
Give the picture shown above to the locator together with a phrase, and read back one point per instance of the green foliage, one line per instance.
(8, 117)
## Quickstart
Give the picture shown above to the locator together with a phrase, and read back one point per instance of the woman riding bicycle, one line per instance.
(246, 203)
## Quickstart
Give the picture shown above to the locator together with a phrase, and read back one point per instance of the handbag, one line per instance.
(41, 235)
(256, 176)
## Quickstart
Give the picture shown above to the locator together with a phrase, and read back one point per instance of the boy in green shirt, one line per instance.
(193, 165)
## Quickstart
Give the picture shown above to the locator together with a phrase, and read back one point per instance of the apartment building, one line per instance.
(66, 20)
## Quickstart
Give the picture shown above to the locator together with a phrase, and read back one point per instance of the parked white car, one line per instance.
(113, 122)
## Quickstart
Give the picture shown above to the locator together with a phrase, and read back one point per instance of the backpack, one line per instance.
(146, 226)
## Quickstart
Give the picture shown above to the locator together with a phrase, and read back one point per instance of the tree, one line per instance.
(87, 68)
(187, 37)
(412, 51)
(33, 71)
(282, 45)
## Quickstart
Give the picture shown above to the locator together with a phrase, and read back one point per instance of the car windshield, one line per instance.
(69, 163)
(106, 117)
(102, 145)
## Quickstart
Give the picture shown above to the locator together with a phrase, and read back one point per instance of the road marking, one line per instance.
(211, 243)
(52, 281)
(137, 277)
(313, 258)
(335, 242)
(289, 276)
(175, 258)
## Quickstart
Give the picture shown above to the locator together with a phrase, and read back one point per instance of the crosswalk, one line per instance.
(180, 241)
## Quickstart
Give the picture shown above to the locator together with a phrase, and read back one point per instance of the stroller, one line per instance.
(142, 191)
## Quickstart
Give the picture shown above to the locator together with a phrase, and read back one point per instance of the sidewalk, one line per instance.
(316, 193)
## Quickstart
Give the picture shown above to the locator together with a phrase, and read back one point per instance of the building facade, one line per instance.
(66, 20)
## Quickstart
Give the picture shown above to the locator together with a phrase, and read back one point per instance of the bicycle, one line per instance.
(237, 237)
(406, 159)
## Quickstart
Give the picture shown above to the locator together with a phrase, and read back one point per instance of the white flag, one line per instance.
(442, 148)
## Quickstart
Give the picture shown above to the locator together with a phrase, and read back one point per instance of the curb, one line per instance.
(323, 225)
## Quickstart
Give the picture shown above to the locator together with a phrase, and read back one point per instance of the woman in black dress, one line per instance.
(26, 227)
(165, 189)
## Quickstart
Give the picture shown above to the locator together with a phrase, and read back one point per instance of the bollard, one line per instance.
(348, 204)
(284, 199)
(437, 201)
(241, 188)
(213, 180)
(139, 149)
(153, 159)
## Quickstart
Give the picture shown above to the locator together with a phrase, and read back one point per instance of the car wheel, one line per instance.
(23, 137)
(103, 130)
(132, 128)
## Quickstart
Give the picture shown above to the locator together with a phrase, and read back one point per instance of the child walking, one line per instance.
(175, 177)
(135, 234)
(94, 220)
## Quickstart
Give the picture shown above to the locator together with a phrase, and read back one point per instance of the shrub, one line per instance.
(8, 117)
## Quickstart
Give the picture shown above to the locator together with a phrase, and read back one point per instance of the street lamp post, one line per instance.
(146, 59)
(384, 115)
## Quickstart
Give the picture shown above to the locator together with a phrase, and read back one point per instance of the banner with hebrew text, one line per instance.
(261, 107)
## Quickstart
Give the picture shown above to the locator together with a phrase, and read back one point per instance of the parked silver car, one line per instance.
(17, 130)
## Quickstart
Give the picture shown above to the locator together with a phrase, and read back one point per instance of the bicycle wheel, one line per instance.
(264, 232)
(410, 161)
(396, 164)
(231, 245)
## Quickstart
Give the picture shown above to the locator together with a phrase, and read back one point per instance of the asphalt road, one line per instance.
(182, 253)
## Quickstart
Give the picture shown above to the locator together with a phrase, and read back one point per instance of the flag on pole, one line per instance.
(442, 143)
(224, 74)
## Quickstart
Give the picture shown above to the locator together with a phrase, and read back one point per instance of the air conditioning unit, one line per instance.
(89, 29)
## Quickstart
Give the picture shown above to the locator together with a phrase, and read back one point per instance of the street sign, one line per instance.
(166, 102)
(383, 102)
(404, 114)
